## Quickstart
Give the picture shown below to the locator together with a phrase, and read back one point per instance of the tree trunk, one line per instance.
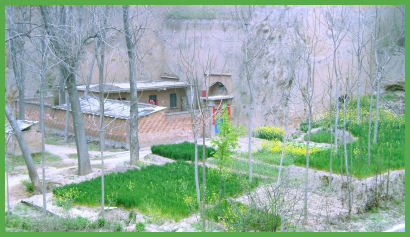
(90, 73)
(84, 166)
(43, 149)
(61, 85)
(32, 172)
(346, 157)
(18, 75)
(204, 169)
(7, 172)
(359, 70)
(370, 130)
(376, 123)
(67, 118)
(251, 108)
(198, 193)
(134, 143)
(102, 142)
(285, 136)
(336, 99)
(305, 207)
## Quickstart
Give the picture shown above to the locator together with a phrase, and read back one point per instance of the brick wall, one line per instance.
(156, 128)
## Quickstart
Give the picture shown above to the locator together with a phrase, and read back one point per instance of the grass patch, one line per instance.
(321, 136)
(14, 161)
(181, 151)
(390, 133)
(257, 168)
(272, 158)
(168, 190)
(55, 224)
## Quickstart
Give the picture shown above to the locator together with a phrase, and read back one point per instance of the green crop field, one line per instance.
(181, 151)
(167, 191)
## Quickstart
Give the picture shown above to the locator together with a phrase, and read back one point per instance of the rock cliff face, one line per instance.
(216, 33)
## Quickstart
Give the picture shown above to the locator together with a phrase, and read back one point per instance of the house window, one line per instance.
(152, 99)
(173, 100)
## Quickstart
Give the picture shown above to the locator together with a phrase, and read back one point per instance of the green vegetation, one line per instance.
(321, 136)
(226, 141)
(315, 124)
(28, 185)
(243, 166)
(14, 161)
(269, 133)
(273, 158)
(390, 133)
(181, 151)
(56, 224)
(139, 227)
(168, 191)
(239, 217)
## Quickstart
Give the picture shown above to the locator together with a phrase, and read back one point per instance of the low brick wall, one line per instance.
(156, 128)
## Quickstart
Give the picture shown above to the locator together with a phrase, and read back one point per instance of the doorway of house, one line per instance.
(153, 100)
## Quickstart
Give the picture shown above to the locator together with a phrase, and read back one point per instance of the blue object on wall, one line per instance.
(217, 122)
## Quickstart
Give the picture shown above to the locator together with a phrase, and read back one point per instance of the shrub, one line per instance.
(101, 222)
(236, 217)
(181, 151)
(269, 133)
(28, 185)
(290, 148)
(117, 227)
(139, 227)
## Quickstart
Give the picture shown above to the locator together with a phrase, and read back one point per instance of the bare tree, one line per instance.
(383, 46)
(133, 32)
(347, 91)
(189, 64)
(358, 49)
(100, 18)
(67, 40)
(90, 73)
(291, 61)
(18, 28)
(43, 70)
(252, 49)
(308, 42)
(335, 21)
